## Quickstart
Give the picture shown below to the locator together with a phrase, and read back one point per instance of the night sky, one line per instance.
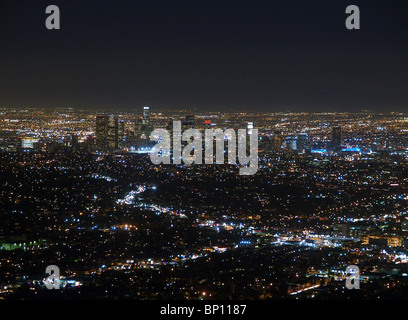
(211, 55)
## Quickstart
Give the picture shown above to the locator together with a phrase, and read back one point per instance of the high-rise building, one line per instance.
(277, 141)
(121, 134)
(138, 128)
(74, 142)
(250, 126)
(302, 142)
(146, 115)
(101, 132)
(337, 136)
(143, 127)
(291, 143)
(112, 132)
(109, 133)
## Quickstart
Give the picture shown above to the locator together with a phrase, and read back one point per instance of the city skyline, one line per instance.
(330, 194)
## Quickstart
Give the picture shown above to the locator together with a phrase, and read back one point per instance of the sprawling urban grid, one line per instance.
(78, 190)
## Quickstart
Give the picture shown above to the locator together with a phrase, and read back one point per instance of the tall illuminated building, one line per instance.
(109, 133)
(121, 134)
(101, 132)
(146, 115)
(291, 143)
(112, 132)
(143, 127)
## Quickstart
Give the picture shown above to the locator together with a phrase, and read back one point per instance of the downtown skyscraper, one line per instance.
(109, 133)
(337, 137)
(143, 127)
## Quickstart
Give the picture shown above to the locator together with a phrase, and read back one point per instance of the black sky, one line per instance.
(212, 55)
